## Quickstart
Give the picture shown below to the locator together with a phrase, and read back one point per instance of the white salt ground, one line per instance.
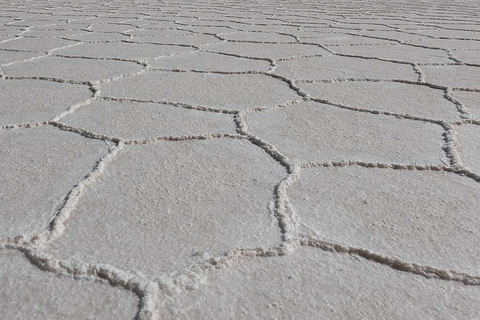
(238, 160)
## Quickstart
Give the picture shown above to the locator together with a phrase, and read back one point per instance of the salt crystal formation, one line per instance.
(239, 159)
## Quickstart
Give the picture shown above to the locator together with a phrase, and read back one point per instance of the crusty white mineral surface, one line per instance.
(239, 160)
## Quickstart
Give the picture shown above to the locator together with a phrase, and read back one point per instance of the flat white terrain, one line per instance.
(239, 160)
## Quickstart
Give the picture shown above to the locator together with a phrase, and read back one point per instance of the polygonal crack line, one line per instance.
(77, 106)
(193, 277)
(23, 60)
(57, 224)
(376, 112)
(93, 84)
(136, 61)
(17, 50)
(415, 65)
(453, 143)
(461, 63)
(193, 46)
(10, 39)
(448, 51)
(450, 144)
(172, 103)
(271, 61)
(78, 42)
(69, 110)
(265, 42)
(185, 28)
(144, 288)
(88, 83)
(291, 84)
(136, 282)
(334, 246)
(23, 125)
(463, 111)
(286, 104)
(55, 121)
(166, 45)
(429, 272)
(192, 33)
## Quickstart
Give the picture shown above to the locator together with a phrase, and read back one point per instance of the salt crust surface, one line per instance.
(237, 160)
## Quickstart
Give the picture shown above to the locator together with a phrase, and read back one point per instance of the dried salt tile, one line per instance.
(206, 61)
(95, 36)
(37, 100)
(30, 293)
(34, 44)
(223, 91)
(53, 33)
(393, 35)
(312, 131)
(131, 120)
(469, 56)
(111, 27)
(7, 57)
(423, 217)
(210, 196)
(208, 30)
(454, 34)
(336, 67)
(453, 76)
(396, 53)
(345, 40)
(449, 44)
(470, 100)
(39, 167)
(159, 32)
(194, 40)
(267, 50)
(258, 37)
(312, 284)
(468, 146)
(122, 50)
(401, 98)
(72, 68)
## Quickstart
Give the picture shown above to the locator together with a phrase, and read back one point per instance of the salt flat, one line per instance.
(239, 160)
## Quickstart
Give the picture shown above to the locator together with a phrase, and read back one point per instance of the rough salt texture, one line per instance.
(191, 199)
(39, 166)
(68, 69)
(205, 61)
(339, 67)
(266, 50)
(389, 211)
(121, 50)
(36, 100)
(459, 76)
(469, 146)
(212, 90)
(312, 284)
(133, 120)
(396, 53)
(8, 57)
(34, 45)
(239, 159)
(312, 131)
(394, 97)
(470, 100)
(186, 39)
(30, 293)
